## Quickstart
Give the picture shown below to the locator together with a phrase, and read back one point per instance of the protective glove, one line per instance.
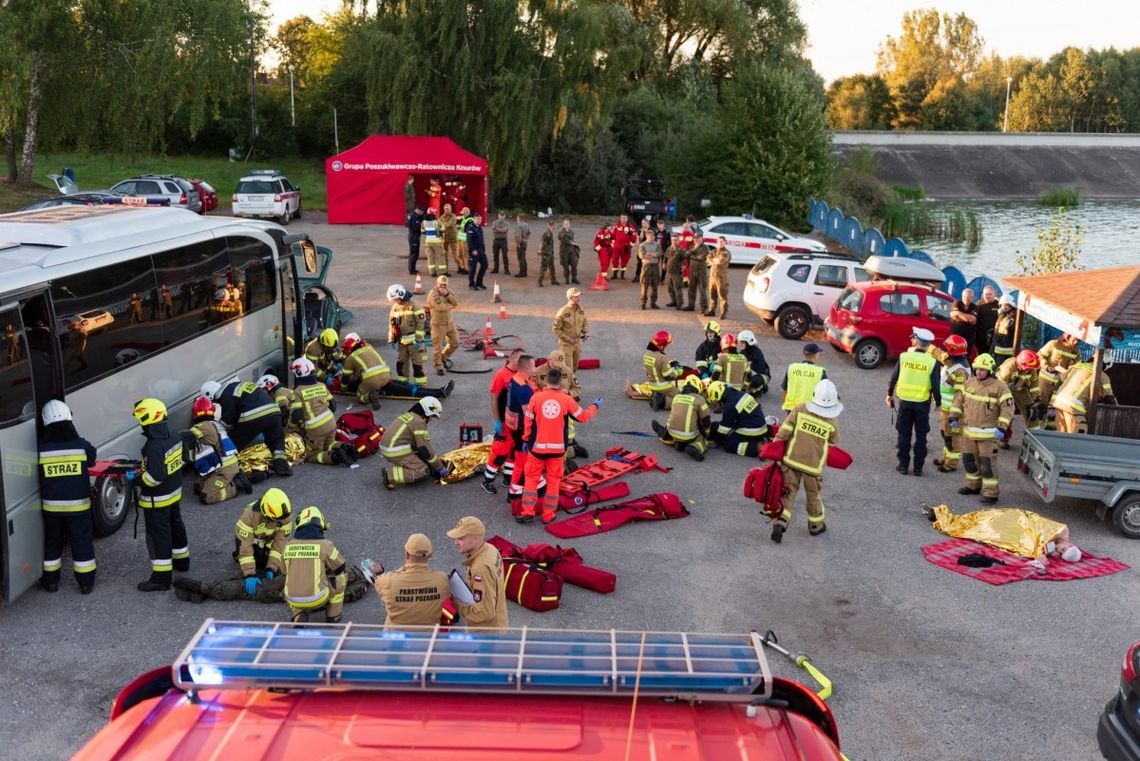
(131, 475)
(269, 575)
(340, 367)
(442, 472)
(251, 585)
(526, 448)
(598, 402)
(1109, 399)
(954, 426)
(999, 434)
(498, 427)
(414, 388)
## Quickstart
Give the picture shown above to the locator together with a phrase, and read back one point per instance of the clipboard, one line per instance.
(460, 592)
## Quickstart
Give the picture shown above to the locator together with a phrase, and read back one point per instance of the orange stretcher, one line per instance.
(617, 463)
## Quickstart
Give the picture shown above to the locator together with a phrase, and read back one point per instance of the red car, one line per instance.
(873, 321)
(207, 193)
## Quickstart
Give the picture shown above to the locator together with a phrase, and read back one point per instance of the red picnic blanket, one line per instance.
(945, 555)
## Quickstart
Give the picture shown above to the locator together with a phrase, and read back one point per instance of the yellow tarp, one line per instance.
(466, 460)
(258, 456)
(1021, 532)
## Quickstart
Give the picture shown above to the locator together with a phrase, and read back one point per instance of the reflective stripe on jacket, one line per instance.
(915, 368)
(809, 438)
(802, 380)
(688, 416)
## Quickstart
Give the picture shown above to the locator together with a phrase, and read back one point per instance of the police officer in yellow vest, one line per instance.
(801, 378)
(914, 382)
(810, 429)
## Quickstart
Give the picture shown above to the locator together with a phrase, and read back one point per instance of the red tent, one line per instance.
(366, 183)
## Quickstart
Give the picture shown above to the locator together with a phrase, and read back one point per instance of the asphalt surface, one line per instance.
(926, 663)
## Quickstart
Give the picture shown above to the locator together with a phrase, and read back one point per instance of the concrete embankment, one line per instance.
(996, 165)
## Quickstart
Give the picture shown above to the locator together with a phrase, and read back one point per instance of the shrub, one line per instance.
(1060, 197)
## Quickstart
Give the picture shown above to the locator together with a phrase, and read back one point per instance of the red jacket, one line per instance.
(603, 239)
(624, 235)
(545, 421)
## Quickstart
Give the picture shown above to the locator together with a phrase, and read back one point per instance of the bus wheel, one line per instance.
(112, 500)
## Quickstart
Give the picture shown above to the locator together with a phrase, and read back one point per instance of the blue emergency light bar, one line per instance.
(247, 655)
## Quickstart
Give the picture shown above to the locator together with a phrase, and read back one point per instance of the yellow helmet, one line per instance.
(984, 362)
(274, 504)
(149, 411)
(716, 391)
(712, 326)
(329, 338)
(692, 385)
(310, 514)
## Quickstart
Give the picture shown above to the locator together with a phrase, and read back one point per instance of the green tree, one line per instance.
(1058, 248)
(1038, 105)
(947, 107)
(861, 101)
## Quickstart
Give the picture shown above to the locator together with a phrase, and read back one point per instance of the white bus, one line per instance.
(103, 306)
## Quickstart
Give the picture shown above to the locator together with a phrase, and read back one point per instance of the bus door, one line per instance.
(292, 332)
(29, 377)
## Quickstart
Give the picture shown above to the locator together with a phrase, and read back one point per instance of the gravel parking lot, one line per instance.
(926, 664)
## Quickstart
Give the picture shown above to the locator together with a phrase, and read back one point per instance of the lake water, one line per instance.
(1112, 235)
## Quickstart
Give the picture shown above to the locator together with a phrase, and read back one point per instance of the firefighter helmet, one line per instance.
(727, 341)
(150, 411)
(712, 326)
(311, 514)
(746, 337)
(397, 292)
(55, 411)
(1027, 359)
(825, 400)
(211, 388)
(984, 362)
(351, 341)
(661, 339)
(303, 367)
(955, 346)
(329, 338)
(274, 504)
(716, 391)
(203, 408)
(692, 385)
(269, 382)
(431, 406)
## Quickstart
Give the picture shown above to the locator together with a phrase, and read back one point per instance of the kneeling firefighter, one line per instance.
(248, 411)
(688, 423)
(407, 446)
(315, 577)
(312, 411)
(214, 456)
(260, 535)
(661, 372)
(743, 427)
(366, 374)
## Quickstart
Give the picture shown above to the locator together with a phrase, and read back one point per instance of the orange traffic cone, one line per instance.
(601, 283)
(502, 310)
(496, 295)
(488, 331)
(419, 288)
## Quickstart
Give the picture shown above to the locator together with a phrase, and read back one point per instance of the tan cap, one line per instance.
(571, 292)
(418, 545)
(468, 525)
(441, 280)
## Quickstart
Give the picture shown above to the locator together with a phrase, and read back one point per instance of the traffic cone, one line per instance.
(488, 331)
(502, 310)
(496, 295)
(419, 288)
(600, 284)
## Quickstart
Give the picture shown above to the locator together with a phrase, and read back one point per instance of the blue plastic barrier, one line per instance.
(895, 247)
(819, 215)
(835, 221)
(980, 282)
(922, 256)
(853, 235)
(955, 281)
(873, 242)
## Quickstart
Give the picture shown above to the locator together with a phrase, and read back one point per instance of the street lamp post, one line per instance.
(1005, 124)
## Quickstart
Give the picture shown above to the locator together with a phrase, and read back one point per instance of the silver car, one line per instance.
(182, 194)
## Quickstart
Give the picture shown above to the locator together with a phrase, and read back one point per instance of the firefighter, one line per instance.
(271, 591)
(544, 441)
(136, 305)
(708, 350)
(661, 373)
(477, 252)
(801, 378)
(485, 576)
(315, 576)
(571, 328)
(1056, 357)
(366, 374)
(407, 446)
(406, 329)
(1003, 328)
(324, 352)
(522, 240)
(441, 301)
(759, 374)
(215, 456)
(160, 495)
(982, 411)
(649, 257)
(1076, 393)
(718, 260)
(448, 226)
(437, 259)
(500, 455)
(65, 491)
(1020, 375)
(698, 276)
(743, 428)
(312, 411)
(604, 247)
(519, 392)
(260, 535)
(625, 236)
(546, 254)
(675, 258)
(688, 426)
(732, 367)
(461, 248)
(915, 381)
(282, 395)
(248, 412)
(810, 429)
(413, 594)
(568, 253)
(954, 373)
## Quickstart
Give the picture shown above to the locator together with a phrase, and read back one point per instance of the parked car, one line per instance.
(750, 239)
(207, 193)
(180, 192)
(1118, 731)
(873, 321)
(267, 193)
(796, 291)
(89, 322)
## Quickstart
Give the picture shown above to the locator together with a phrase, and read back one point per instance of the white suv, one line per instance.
(796, 291)
(267, 193)
(749, 239)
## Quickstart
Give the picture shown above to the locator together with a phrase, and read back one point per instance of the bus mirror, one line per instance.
(309, 251)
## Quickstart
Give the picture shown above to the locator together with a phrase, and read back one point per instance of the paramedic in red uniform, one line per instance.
(519, 393)
(501, 447)
(624, 234)
(603, 245)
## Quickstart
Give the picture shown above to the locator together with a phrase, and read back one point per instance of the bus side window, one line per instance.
(190, 274)
(252, 272)
(17, 401)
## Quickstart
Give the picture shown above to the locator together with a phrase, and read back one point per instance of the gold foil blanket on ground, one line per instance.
(258, 456)
(465, 461)
(1021, 532)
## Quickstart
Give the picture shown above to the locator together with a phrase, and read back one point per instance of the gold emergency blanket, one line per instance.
(465, 461)
(637, 390)
(258, 456)
(1011, 529)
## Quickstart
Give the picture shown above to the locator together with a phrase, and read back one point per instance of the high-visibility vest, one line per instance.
(914, 376)
(802, 380)
(684, 417)
(809, 427)
(949, 386)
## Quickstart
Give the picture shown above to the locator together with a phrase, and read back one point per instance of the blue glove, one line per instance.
(954, 426)
(598, 402)
(415, 389)
(526, 448)
(498, 427)
(340, 367)
(131, 475)
(329, 381)
(251, 585)
(999, 435)
(269, 575)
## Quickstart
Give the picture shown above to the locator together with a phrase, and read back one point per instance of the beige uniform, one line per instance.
(366, 371)
(442, 325)
(136, 305)
(217, 486)
(1073, 398)
(449, 233)
(688, 422)
(719, 259)
(569, 382)
(953, 374)
(489, 588)
(981, 407)
(406, 325)
(809, 437)
(570, 325)
(309, 563)
(285, 398)
(260, 541)
(324, 358)
(698, 277)
(661, 375)
(407, 447)
(1055, 358)
(413, 595)
(734, 369)
(313, 415)
(1024, 386)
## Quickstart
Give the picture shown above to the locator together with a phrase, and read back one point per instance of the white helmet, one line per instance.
(303, 367)
(825, 401)
(55, 411)
(431, 406)
(746, 337)
(397, 292)
(211, 389)
(268, 382)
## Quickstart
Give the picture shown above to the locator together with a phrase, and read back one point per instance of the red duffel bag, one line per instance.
(359, 431)
(531, 586)
(766, 485)
(567, 563)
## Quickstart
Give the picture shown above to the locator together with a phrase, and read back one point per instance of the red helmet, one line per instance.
(1027, 359)
(351, 342)
(661, 339)
(203, 407)
(955, 346)
(727, 341)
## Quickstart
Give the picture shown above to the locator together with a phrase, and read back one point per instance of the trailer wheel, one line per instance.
(1126, 516)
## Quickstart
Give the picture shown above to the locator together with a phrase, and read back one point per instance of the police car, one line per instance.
(267, 193)
(750, 239)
